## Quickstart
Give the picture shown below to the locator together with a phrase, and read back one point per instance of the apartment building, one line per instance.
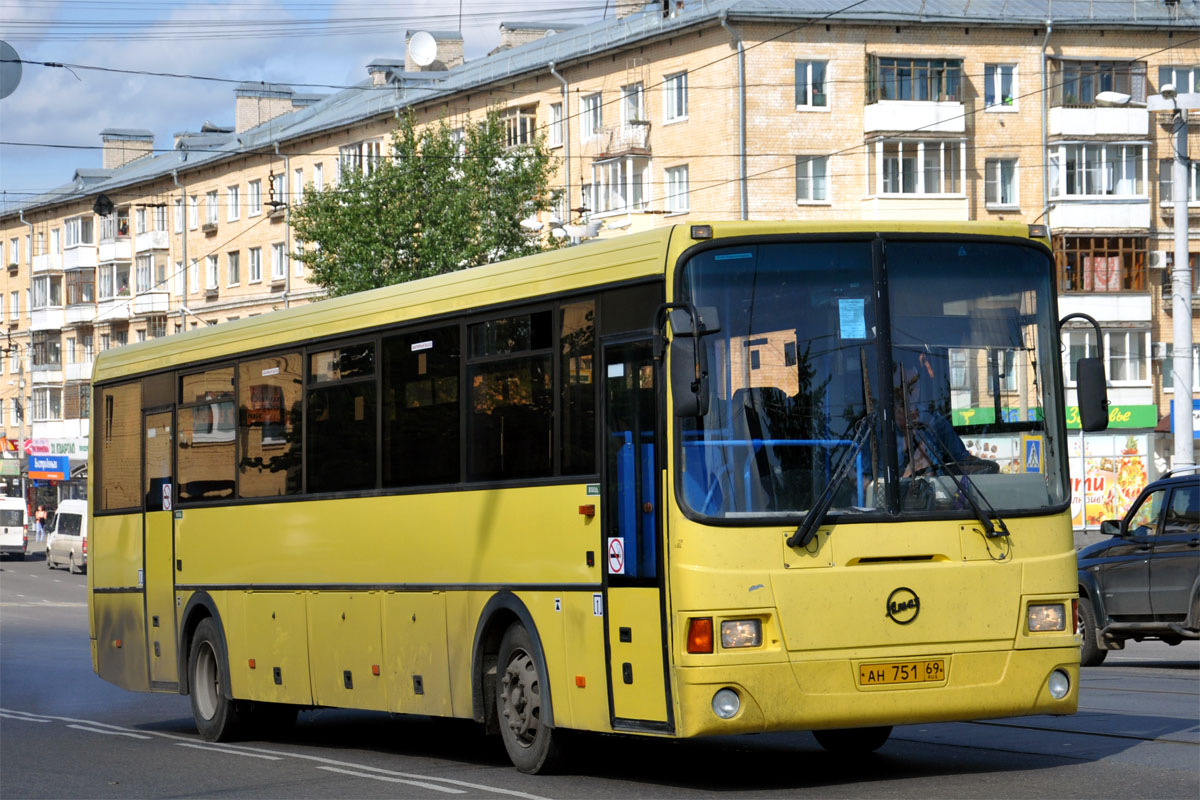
(669, 112)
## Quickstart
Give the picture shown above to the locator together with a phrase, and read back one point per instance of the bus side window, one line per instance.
(577, 354)
(269, 408)
(207, 427)
(340, 426)
(420, 407)
(120, 446)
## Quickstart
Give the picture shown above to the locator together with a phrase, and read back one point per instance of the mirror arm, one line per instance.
(1085, 318)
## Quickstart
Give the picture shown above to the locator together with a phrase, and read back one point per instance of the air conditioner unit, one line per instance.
(1159, 259)
(1160, 351)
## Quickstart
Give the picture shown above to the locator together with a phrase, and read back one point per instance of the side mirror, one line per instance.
(690, 390)
(1110, 527)
(1092, 392)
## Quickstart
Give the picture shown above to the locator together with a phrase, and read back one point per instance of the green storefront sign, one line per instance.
(1118, 416)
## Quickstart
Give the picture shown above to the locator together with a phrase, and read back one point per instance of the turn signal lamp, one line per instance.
(1074, 616)
(1051, 617)
(700, 635)
(741, 633)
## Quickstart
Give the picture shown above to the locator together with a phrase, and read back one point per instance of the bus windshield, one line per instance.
(952, 370)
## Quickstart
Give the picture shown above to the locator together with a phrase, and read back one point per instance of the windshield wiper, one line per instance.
(937, 451)
(808, 528)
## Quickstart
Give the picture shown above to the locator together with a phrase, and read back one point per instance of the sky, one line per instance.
(50, 125)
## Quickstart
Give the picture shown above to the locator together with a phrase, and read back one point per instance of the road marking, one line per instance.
(42, 604)
(21, 717)
(226, 750)
(109, 733)
(301, 756)
(420, 784)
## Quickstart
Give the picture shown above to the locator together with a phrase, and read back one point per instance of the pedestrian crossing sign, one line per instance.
(1032, 448)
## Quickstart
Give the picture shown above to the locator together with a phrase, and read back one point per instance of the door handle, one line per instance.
(1143, 548)
(1194, 543)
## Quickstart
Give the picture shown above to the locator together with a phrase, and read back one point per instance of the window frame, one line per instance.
(810, 83)
(808, 164)
(993, 82)
(675, 97)
(990, 180)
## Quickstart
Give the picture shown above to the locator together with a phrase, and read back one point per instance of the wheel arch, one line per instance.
(1090, 590)
(200, 606)
(502, 610)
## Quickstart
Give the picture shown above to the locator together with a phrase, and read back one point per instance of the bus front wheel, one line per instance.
(217, 717)
(520, 690)
(853, 741)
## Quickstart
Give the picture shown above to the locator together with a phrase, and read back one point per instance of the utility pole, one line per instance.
(1169, 99)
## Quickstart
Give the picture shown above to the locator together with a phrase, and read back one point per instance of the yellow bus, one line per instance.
(707, 479)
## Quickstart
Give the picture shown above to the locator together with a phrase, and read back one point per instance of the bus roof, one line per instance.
(622, 258)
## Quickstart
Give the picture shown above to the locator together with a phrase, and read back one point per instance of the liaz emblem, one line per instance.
(903, 605)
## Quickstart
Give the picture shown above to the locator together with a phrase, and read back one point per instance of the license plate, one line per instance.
(901, 672)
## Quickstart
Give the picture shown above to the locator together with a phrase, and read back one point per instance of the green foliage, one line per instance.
(437, 205)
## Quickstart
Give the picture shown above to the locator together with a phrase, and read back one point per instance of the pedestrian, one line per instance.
(40, 519)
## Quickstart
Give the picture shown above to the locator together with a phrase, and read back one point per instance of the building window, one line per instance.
(255, 275)
(677, 200)
(193, 212)
(210, 277)
(1001, 182)
(621, 184)
(81, 286)
(140, 220)
(361, 156)
(675, 97)
(179, 215)
(47, 403)
(255, 199)
(591, 117)
(999, 86)
(1126, 354)
(1166, 182)
(922, 79)
(194, 276)
(160, 217)
(318, 176)
(79, 231)
(1097, 170)
(233, 201)
(297, 264)
(46, 349)
(1076, 83)
(916, 167)
(1101, 264)
(232, 267)
(142, 273)
(47, 291)
(812, 181)
(633, 105)
(810, 84)
(278, 262)
(1185, 79)
(56, 241)
(554, 134)
(519, 125)
(278, 191)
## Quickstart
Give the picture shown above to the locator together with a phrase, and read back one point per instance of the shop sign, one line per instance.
(49, 468)
(1115, 470)
(1195, 418)
(10, 468)
(986, 416)
(1120, 417)
(75, 448)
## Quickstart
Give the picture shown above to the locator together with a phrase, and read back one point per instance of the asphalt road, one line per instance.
(64, 733)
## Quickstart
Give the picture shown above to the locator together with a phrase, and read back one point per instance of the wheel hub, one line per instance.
(521, 699)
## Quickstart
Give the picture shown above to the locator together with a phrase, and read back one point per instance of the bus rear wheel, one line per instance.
(218, 718)
(853, 741)
(532, 746)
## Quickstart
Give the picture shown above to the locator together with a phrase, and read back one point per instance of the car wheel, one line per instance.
(218, 718)
(1090, 652)
(521, 690)
(853, 741)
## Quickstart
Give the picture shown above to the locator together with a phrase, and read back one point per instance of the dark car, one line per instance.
(1144, 581)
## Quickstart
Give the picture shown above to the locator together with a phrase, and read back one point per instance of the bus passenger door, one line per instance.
(634, 609)
(159, 551)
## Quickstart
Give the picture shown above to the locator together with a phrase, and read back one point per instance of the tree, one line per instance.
(441, 203)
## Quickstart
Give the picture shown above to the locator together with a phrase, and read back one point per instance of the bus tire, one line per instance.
(853, 741)
(218, 718)
(1090, 652)
(532, 746)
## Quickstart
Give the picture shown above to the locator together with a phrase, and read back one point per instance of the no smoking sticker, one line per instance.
(616, 556)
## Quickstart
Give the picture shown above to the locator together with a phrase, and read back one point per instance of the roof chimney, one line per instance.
(261, 102)
(122, 145)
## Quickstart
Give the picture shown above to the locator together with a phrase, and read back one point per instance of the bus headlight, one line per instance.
(741, 633)
(726, 703)
(1059, 685)
(1050, 617)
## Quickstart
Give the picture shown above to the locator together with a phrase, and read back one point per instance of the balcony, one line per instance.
(913, 115)
(152, 240)
(1108, 307)
(209, 228)
(151, 303)
(80, 257)
(1118, 213)
(119, 249)
(46, 374)
(625, 140)
(112, 309)
(50, 318)
(80, 314)
(81, 371)
(47, 262)
(1065, 121)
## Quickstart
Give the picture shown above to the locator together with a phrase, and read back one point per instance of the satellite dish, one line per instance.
(10, 70)
(422, 47)
(103, 206)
